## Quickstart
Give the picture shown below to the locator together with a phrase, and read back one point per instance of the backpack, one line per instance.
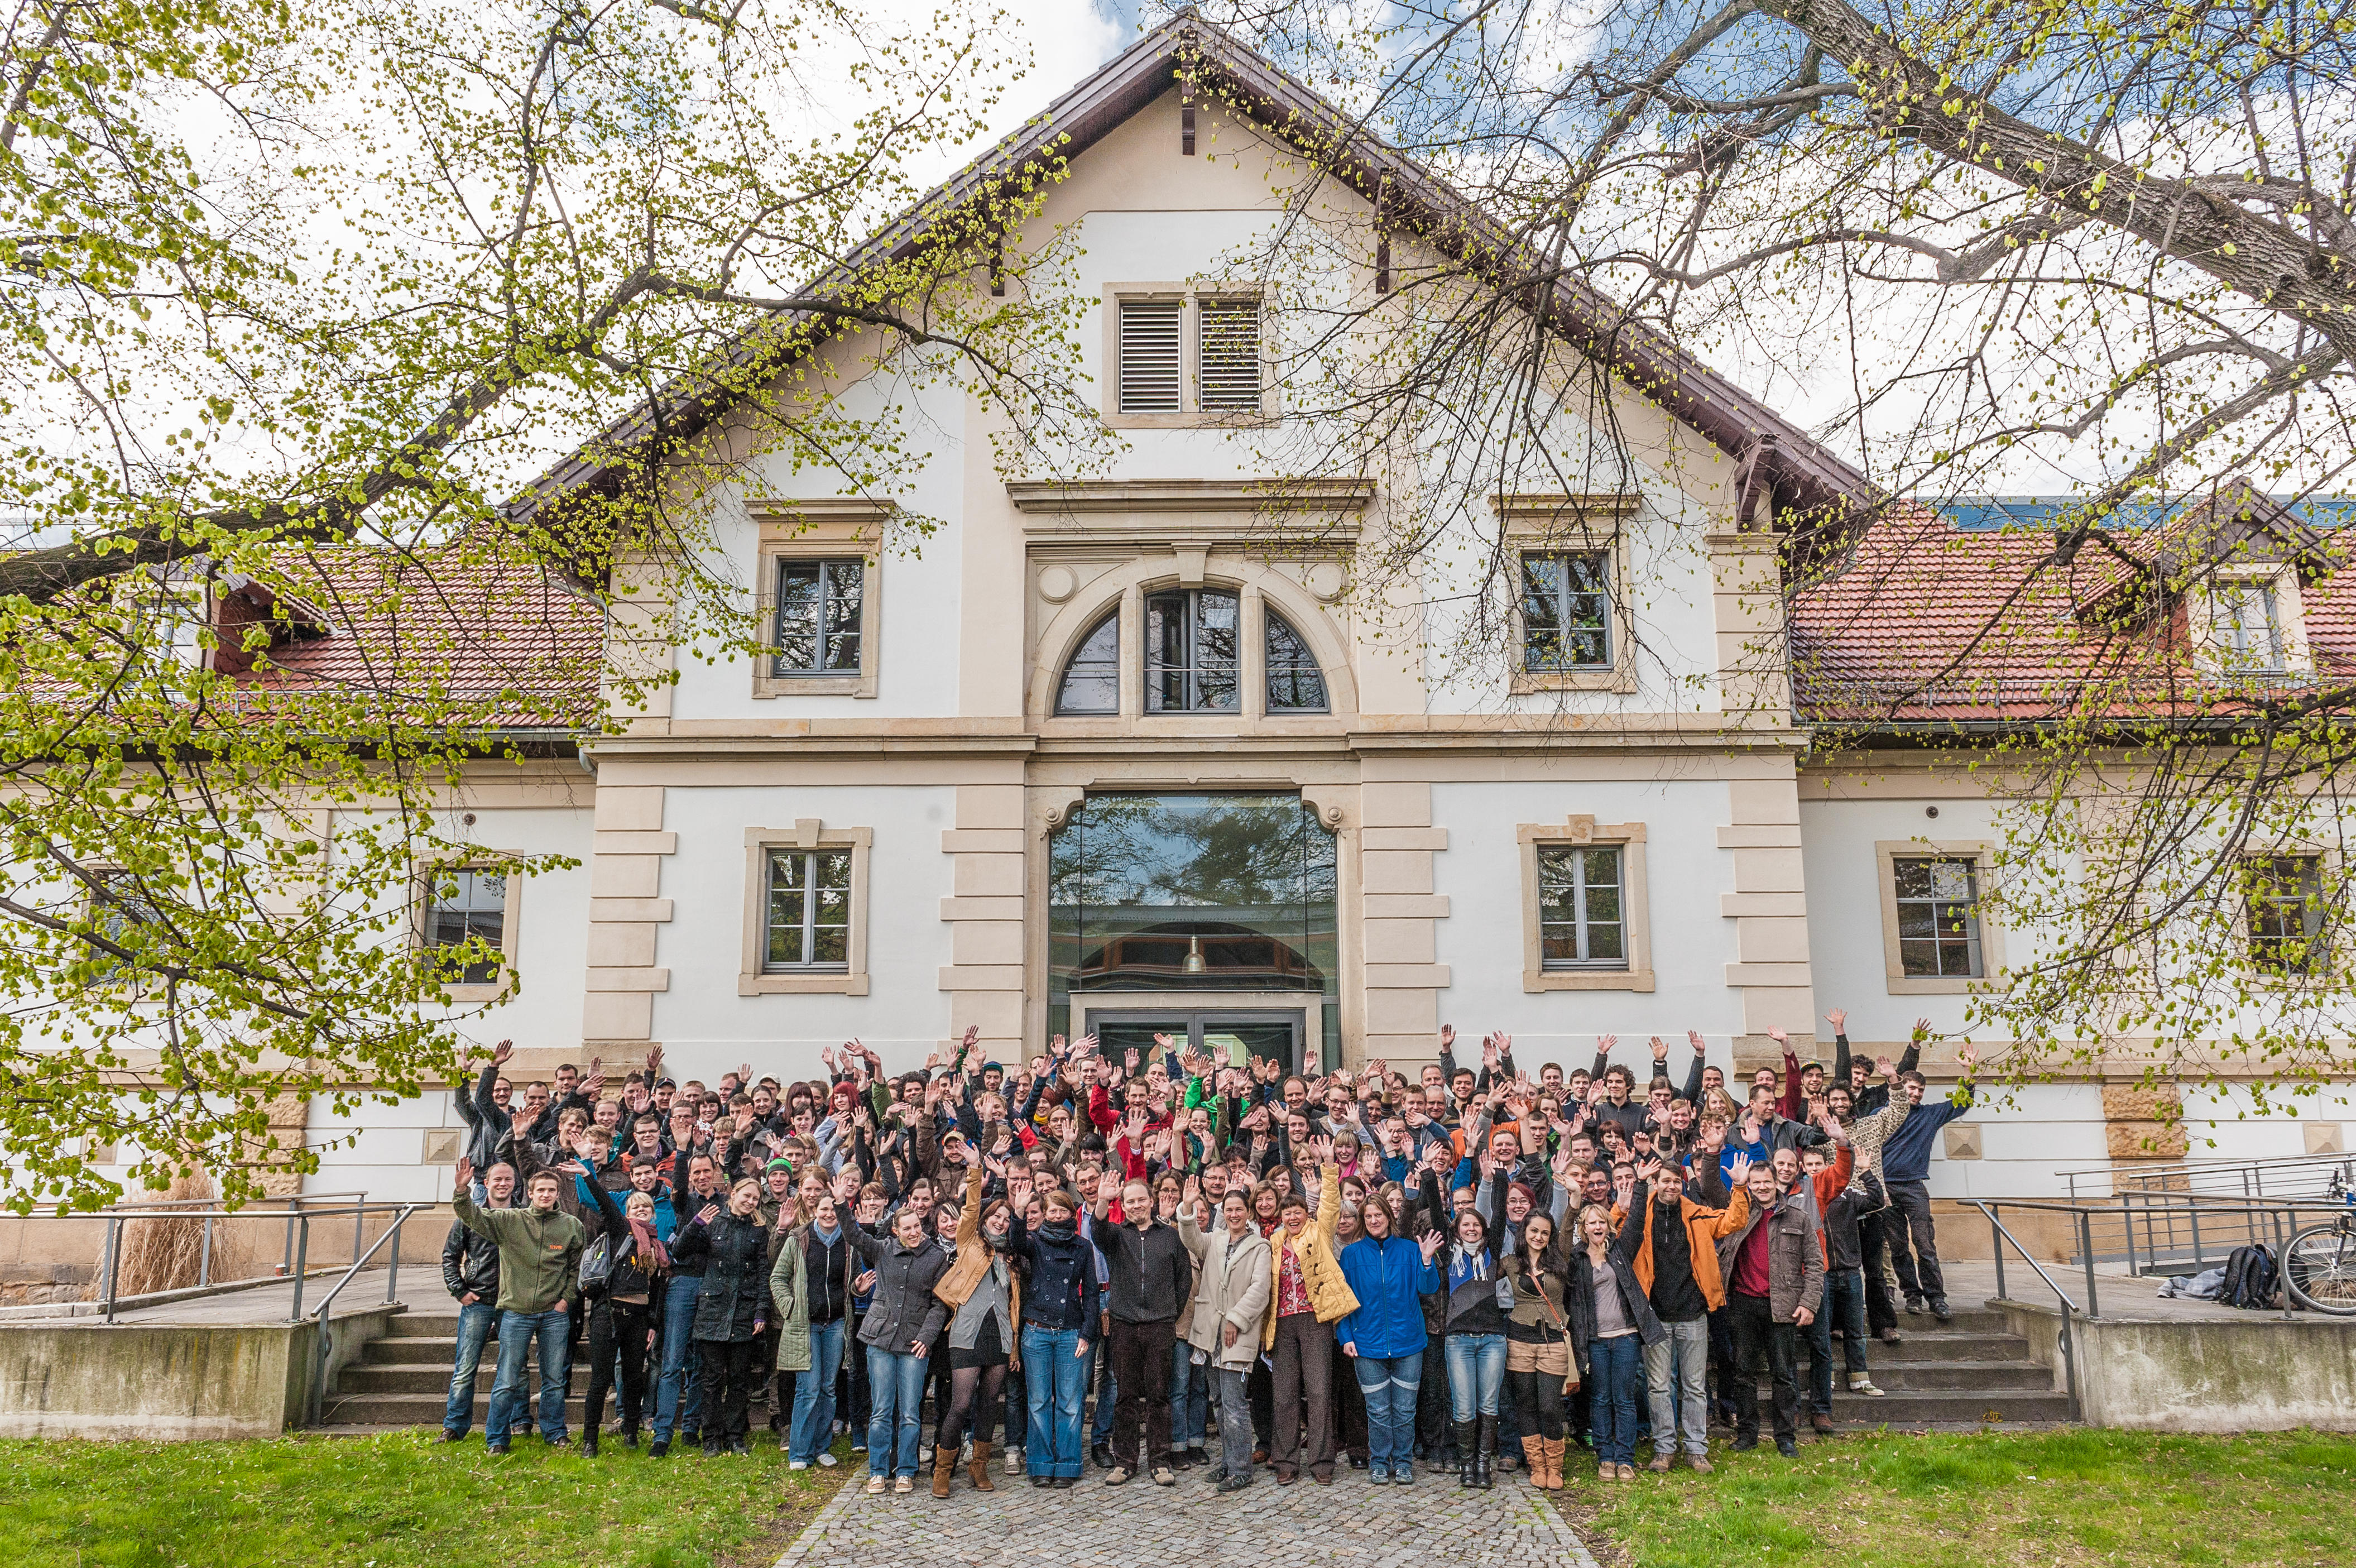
(2252, 1281)
(597, 1266)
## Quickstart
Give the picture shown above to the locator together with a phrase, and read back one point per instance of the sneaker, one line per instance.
(797, 1464)
(874, 1486)
(1403, 1474)
(450, 1436)
(499, 1447)
(1861, 1384)
(827, 1460)
(904, 1484)
(1163, 1477)
(1702, 1466)
(1014, 1462)
(1890, 1336)
(1234, 1484)
(1660, 1464)
(1745, 1442)
(1913, 1306)
(1378, 1472)
(1787, 1448)
(1941, 1310)
(659, 1448)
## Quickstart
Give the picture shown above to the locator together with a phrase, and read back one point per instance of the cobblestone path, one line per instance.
(1349, 1524)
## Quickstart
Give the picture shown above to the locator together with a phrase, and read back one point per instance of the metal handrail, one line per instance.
(2249, 1177)
(326, 1304)
(298, 1218)
(2069, 1307)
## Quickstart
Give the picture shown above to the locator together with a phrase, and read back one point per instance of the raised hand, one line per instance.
(502, 1052)
(1429, 1244)
(1885, 1067)
(1660, 1050)
(1839, 1019)
(707, 1214)
(1700, 1048)
(1968, 1056)
(1921, 1030)
(573, 1167)
(1448, 1037)
(466, 1172)
(1087, 1047)
(1603, 1044)
(1776, 1034)
(1161, 1042)
(1739, 1169)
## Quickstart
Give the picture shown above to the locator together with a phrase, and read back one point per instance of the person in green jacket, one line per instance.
(540, 1263)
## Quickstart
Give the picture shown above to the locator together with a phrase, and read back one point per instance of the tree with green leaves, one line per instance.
(293, 299)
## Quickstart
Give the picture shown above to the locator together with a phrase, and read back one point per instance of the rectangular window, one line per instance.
(2249, 625)
(1567, 610)
(1228, 377)
(1938, 919)
(463, 905)
(2285, 894)
(1148, 355)
(809, 921)
(818, 629)
(1580, 921)
(1191, 651)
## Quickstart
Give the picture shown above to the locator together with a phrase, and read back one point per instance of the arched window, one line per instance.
(1295, 684)
(1091, 682)
(1191, 643)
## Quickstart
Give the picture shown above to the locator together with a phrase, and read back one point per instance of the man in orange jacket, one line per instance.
(1676, 1262)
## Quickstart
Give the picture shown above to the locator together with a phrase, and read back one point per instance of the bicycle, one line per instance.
(2318, 1266)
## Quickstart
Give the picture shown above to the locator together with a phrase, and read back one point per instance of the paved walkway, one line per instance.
(1350, 1524)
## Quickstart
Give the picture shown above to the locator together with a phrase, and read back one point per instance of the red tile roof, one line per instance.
(1926, 622)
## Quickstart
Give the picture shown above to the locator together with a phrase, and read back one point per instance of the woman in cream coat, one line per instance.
(1231, 1306)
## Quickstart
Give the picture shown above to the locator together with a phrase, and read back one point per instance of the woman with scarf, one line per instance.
(1474, 1326)
(984, 1296)
(812, 1284)
(731, 1304)
(622, 1311)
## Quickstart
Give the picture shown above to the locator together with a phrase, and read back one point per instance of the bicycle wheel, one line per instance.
(2319, 1269)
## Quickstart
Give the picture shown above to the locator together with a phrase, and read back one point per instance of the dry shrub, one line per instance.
(166, 1252)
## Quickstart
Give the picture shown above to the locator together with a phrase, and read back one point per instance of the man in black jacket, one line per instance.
(1151, 1277)
(470, 1270)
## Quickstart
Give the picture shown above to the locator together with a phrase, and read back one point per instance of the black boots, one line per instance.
(1482, 1475)
(1466, 1450)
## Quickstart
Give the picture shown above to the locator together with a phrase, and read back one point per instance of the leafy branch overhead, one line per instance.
(295, 302)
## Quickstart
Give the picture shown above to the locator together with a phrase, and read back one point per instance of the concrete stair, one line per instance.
(1965, 1373)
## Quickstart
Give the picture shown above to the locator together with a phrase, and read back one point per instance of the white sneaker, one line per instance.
(797, 1465)
(826, 1461)
(874, 1484)
(1014, 1462)
(1864, 1386)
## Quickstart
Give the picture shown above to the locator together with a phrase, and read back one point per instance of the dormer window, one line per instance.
(2249, 626)
(2247, 621)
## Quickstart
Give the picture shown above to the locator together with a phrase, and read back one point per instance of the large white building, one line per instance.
(1136, 754)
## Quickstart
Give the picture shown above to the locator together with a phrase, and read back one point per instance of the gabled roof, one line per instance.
(1792, 465)
(2233, 523)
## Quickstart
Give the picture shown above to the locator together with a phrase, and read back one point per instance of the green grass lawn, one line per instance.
(1982, 1499)
(403, 1501)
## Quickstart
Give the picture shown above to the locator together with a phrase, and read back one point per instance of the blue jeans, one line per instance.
(1190, 1398)
(1614, 1367)
(896, 1379)
(1390, 1385)
(679, 1394)
(1107, 1388)
(476, 1322)
(1476, 1371)
(553, 1329)
(1058, 1377)
(813, 1431)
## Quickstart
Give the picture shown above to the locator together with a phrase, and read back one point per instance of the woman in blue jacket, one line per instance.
(1390, 1275)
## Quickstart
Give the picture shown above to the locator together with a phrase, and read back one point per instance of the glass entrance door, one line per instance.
(1259, 1035)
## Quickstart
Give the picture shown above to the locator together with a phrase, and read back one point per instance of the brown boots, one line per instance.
(1545, 1459)
(977, 1469)
(944, 1464)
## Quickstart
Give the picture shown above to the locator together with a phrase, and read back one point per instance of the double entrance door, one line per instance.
(1232, 1036)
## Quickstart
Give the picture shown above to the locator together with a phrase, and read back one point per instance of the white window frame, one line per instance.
(1580, 832)
(1190, 296)
(2207, 624)
(1980, 853)
(754, 978)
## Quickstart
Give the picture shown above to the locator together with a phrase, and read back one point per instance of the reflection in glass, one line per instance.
(1091, 682)
(1295, 684)
(1140, 883)
(1189, 651)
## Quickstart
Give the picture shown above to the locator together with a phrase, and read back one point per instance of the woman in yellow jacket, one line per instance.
(984, 1296)
(1310, 1296)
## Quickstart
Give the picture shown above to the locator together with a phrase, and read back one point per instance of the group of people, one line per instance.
(1247, 1266)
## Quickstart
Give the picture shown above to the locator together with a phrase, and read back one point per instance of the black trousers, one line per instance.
(1349, 1406)
(1880, 1312)
(728, 1378)
(1538, 1398)
(1140, 1375)
(1433, 1430)
(1914, 1240)
(1758, 1336)
(617, 1334)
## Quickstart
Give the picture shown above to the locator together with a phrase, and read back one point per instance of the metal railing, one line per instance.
(2296, 1176)
(326, 1334)
(299, 1217)
(1999, 1236)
